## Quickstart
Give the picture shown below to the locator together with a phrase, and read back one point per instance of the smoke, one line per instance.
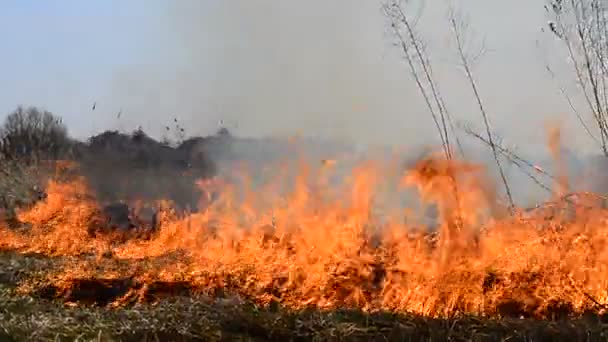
(270, 68)
(330, 70)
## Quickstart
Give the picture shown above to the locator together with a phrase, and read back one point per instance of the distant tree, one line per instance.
(33, 133)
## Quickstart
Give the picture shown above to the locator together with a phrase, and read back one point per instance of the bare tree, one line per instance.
(32, 133)
(402, 26)
(582, 26)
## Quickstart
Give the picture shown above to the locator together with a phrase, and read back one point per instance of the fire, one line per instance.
(332, 247)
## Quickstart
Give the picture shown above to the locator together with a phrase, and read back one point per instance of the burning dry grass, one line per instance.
(321, 248)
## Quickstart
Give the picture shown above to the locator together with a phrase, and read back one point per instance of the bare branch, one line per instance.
(406, 52)
(416, 56)
(465, 64)
(571, 104)
(514, 159)
(581, 26)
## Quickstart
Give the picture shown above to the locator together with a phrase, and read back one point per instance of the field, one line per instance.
(191, 317)
(315, 262)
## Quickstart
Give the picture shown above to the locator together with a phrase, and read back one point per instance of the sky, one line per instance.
(269, 67)
(63, 55)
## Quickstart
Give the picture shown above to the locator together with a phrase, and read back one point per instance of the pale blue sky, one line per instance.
(273, 66)
(63, 54)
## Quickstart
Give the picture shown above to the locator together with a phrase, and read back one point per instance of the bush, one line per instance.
(33, 133)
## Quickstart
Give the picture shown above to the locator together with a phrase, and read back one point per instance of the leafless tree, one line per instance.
(33, 133)
(459, 31)
(402, 21)
(402, 24)
(582, 26)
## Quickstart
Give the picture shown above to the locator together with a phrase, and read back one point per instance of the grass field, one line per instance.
(187, 317)
(316, 273)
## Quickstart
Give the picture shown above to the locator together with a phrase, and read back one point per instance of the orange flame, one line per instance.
(328, 247)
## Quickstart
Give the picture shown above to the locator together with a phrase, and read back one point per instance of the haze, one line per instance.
(315, 67)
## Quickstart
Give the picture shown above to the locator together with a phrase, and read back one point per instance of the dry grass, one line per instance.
(183, 318)
(17, 184)
(319, 266)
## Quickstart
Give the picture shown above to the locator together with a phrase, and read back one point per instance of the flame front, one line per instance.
(333, 247)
